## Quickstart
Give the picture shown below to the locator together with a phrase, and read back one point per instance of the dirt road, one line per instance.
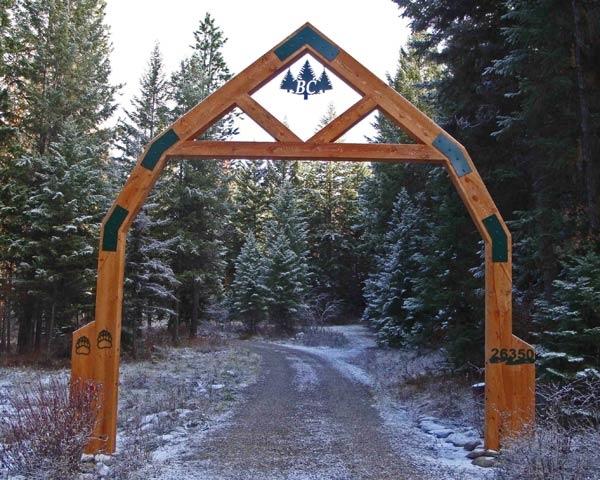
(303, 419)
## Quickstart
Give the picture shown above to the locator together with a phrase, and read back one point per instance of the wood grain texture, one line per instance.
(307, 151)
(266, 120)
(341, 124)
(510, 389)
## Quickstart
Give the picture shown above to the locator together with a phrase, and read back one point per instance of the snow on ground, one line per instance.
(359, 340)
(408, 430)
(306, 378)
(165, 404)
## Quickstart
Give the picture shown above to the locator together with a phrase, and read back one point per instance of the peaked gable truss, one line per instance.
(510, 371)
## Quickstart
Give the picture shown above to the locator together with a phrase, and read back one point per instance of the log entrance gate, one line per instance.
(509, 361)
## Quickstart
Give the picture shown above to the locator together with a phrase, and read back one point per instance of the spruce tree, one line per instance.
(149, 278)
(193, 196)
(62, 112)
(286, 279)
(286, 252)
(329, 196)
(249, 292)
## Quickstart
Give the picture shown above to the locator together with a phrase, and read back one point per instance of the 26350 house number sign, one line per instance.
(306, 83)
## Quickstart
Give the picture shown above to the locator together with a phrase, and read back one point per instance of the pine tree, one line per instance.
(288, 83)
(61, 209)
(306, 75)
(250, 199)
(193, 196)
(389, 292)
(61, 113)
(324, 83)
(149, 278)
(569, 331)
(288, 276)
(286, 279)
(329, 196)
(249, 291)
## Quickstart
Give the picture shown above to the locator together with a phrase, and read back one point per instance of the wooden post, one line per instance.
(510, 372)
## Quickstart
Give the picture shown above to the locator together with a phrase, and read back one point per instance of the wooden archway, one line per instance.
(509, 362)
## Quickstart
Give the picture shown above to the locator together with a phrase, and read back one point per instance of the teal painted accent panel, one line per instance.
(166, 140)
(111, 228)
(450, 149)
(307, 36)
(499, 240)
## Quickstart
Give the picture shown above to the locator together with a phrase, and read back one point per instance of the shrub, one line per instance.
(565, 441)
(47, 428)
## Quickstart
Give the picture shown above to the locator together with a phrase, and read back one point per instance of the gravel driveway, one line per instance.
(302, 420)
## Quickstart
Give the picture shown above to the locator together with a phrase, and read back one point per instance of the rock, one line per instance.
(87, 458)
(442, 433)
(458, 439)
(480, 452)
(105, 459)
(484, 462)
(491, 453)
(218, 386)
(469, 446)
(478, 389)
(102, 470)
(430, 426)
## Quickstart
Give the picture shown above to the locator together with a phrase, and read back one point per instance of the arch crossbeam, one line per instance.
(509, 372)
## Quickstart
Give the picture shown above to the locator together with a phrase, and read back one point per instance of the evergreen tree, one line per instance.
(329, 196)
(61, 208)
(249, 293)
(324, 83)
(288, 277)
(569, 322)
(288, 83)
(61, 112)
(306, 75)
(149, 278)
(389, 292)
(193, 196)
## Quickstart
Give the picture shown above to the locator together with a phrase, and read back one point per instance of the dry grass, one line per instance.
(321, 337)
(425, 382)
(47, 428)
(564, 443)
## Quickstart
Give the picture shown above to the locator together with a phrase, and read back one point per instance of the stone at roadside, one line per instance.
(458, 439)
(441, 433)
(105, 459)
(479, 452)
(472, 445)
(102, 470)
(491, 453)
(484, 462)
(87, 457)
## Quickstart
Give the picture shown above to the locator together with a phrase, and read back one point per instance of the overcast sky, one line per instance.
(370, 30)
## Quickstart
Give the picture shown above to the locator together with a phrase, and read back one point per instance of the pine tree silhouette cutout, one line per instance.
(306, 75)
(288, 83)
(324, 83)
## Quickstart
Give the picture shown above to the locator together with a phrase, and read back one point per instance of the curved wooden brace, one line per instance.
(510, 371)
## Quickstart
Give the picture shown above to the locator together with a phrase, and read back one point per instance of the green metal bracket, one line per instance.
(451, 150)
(166, 140)
(307, 36)
(111, 228)
(499, 239)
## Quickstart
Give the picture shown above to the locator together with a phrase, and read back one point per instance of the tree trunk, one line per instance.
(25, 333)
(585, 123)
(51, 323)
(39, 322)
(195, 308)
(174, 324)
